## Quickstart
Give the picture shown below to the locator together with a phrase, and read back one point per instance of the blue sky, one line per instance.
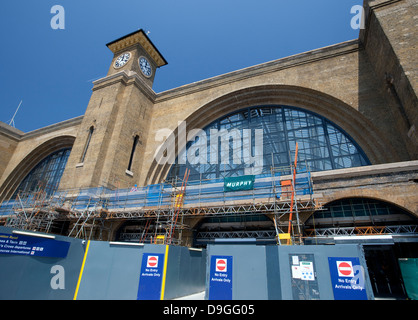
(52, 70)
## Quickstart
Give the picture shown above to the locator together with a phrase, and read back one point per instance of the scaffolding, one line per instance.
(159, 211)
(31, 210)
(299, 180)
(178, 198)
(361, 231)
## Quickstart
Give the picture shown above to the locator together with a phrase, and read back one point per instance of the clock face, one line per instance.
(122, 60)
(145, 67)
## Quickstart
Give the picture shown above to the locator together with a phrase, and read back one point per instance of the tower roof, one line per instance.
(138, 37)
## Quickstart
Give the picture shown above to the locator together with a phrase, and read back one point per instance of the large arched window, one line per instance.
(322, 145)
(359, 211)
(47, 174)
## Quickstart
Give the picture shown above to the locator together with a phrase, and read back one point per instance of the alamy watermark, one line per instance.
(358, 20)
(246, 148)
(58, 20)
(58, 280)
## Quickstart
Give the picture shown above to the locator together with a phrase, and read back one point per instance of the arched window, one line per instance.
(47, 173)
(86, 146)
(131, 158)
(322, 145)
(359, 211)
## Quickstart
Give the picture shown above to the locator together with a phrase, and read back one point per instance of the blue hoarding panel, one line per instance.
(151, 276)
(32, 246)
(220, 282)
(348, 279)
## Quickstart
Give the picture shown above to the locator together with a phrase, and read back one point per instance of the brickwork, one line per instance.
(390, 41)
(365, 86)
(9, 139)
(395, 183)
(31, 148)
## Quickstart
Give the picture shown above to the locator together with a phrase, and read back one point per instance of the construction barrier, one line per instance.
(250, 272)
(46, 267)
(38, 268)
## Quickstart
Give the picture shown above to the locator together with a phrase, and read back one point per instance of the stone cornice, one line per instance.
(20, 135)
(376, 4)
(371, 6)
(377, 169)
(54, 127)
(127, 77)
(138, 37)
(261, 69)
(10, 131)
(234, 76)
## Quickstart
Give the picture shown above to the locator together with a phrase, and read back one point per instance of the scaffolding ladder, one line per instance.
(288, 236)
(178, 204)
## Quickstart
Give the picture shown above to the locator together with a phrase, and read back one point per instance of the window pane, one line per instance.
(46, 175)
(321, 144)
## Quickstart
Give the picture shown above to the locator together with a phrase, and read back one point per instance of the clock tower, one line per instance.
(135, 52)
(111, 140)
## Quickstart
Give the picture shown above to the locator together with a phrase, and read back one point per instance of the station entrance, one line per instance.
(388, 233)
(384, 271)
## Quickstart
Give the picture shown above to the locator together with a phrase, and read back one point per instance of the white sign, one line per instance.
(304, 270)
(307, 271)
(296, 272)
(345, 269)
(221, 265)
(152, 262)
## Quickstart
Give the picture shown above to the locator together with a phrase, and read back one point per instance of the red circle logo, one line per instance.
(152, 261)
(345, 269)
(221, 265)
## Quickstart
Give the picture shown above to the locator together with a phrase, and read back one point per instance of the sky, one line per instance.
(51, 70)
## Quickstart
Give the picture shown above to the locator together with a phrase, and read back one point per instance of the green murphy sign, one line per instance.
(239, 183)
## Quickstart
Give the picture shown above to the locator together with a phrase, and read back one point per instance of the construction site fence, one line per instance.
(97, 270)
(267, 187)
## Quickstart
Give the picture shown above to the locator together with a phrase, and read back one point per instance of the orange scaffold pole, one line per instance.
(293, 193)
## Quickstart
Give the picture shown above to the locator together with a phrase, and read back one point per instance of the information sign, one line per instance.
(150, 278)
(347, 277)
(32, 246)
(239, 183)
(220, 282)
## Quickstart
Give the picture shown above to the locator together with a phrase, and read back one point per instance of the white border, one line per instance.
(130, 56)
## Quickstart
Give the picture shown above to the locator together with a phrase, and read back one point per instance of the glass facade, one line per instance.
(357, 207)
(47, 173)
(359, 211)
(321, 144)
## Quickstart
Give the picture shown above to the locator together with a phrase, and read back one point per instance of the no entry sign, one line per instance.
(348, 278)
(152, 261)
(345, 269)
(150, 278)
(221, 265)
(220, 282)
